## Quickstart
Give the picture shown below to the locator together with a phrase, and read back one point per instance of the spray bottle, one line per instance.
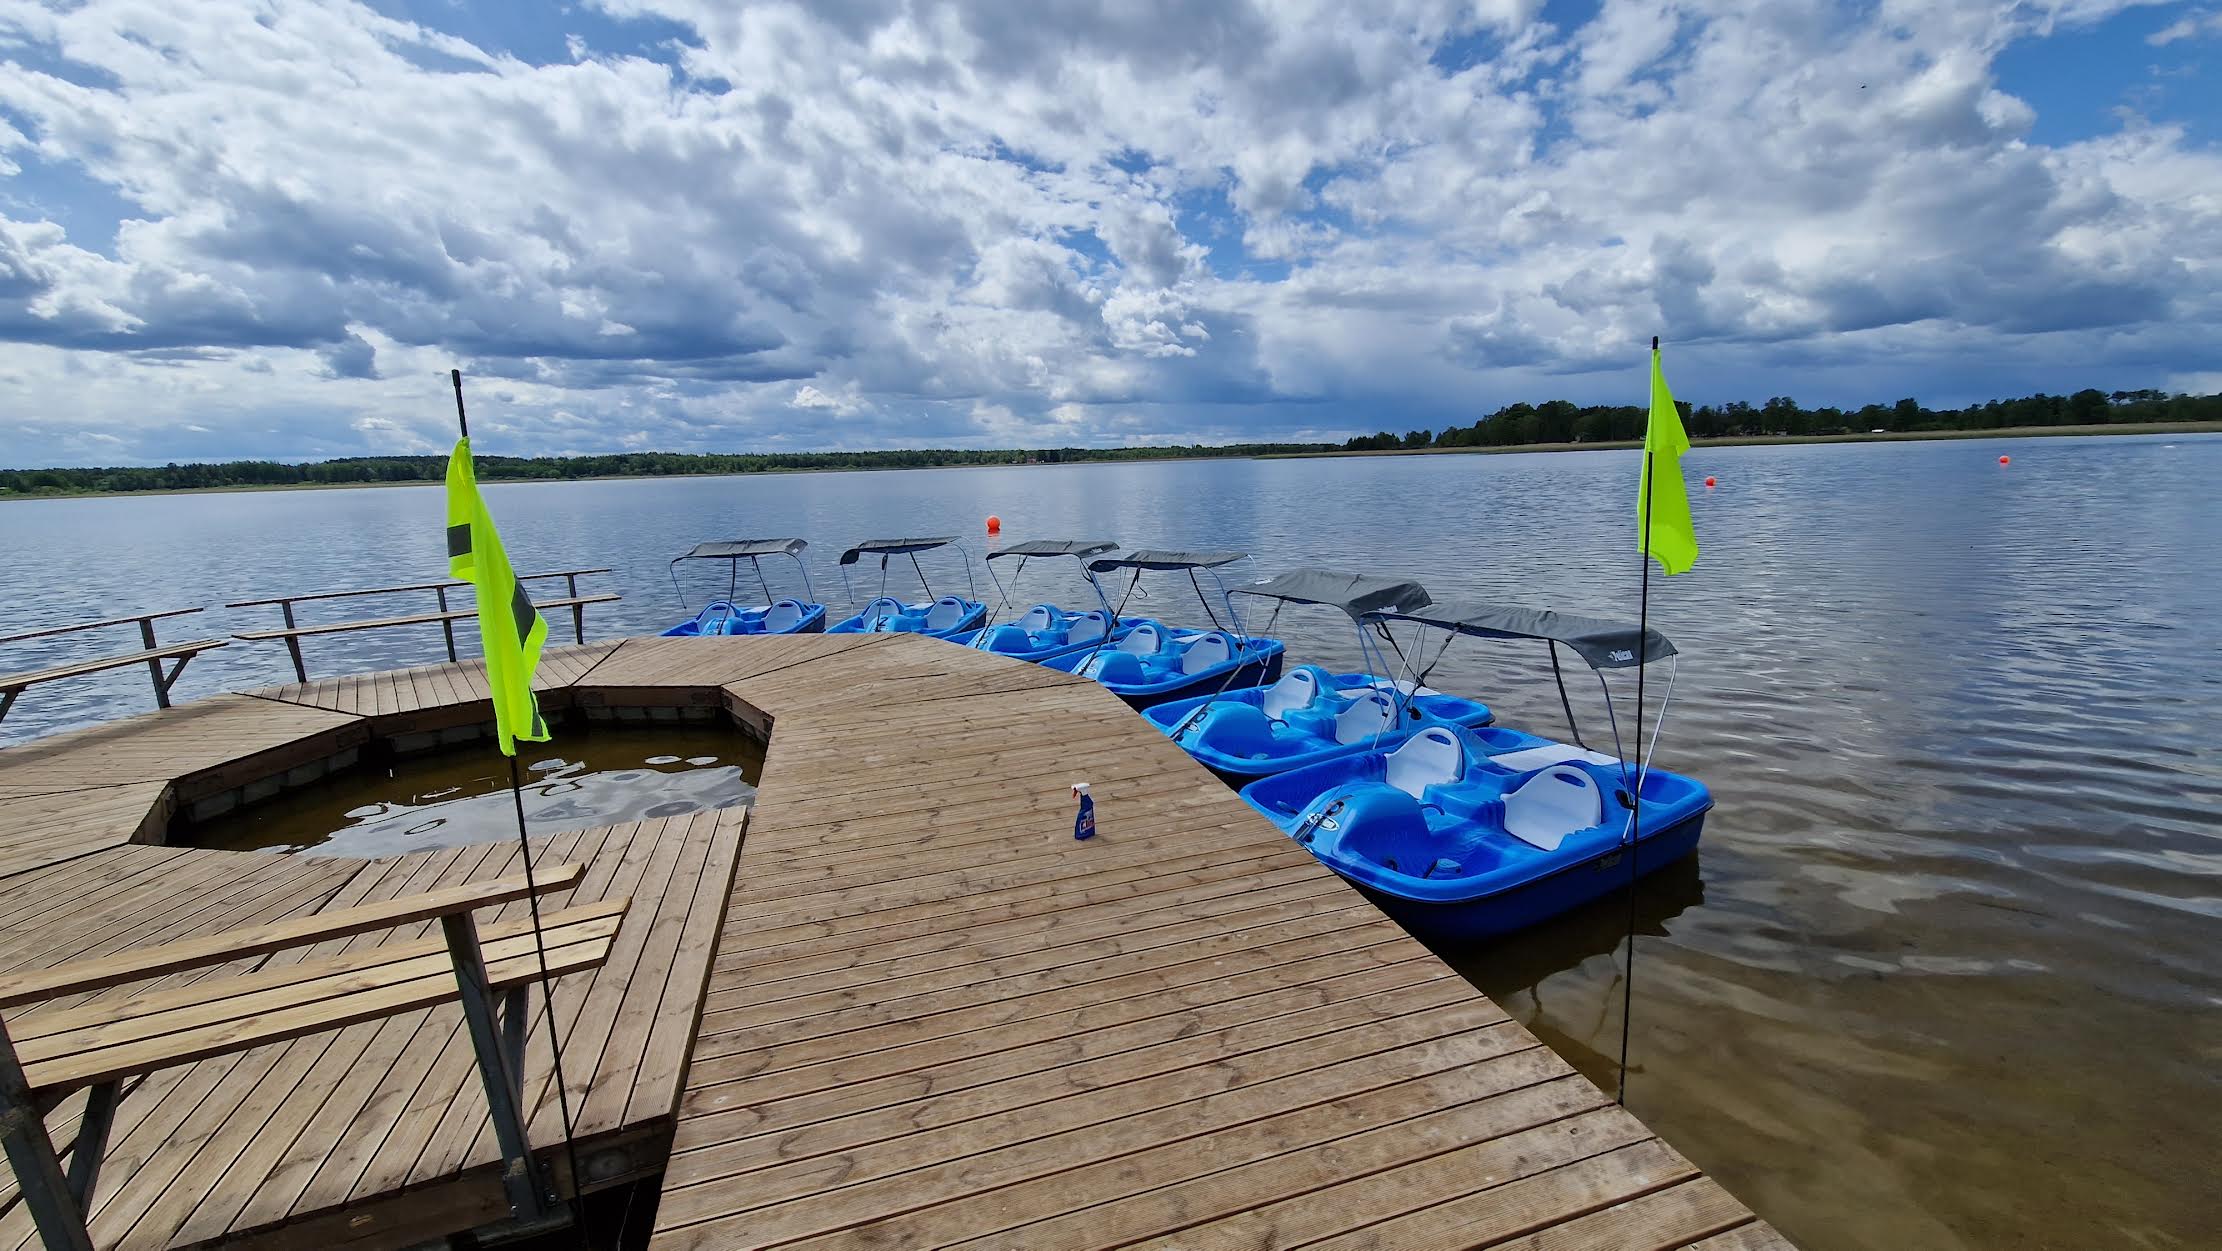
(1084, 825)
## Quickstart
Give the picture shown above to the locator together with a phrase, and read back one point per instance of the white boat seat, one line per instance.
(1548, 754)
(1432, 757)
(1145, 639)
(879, 610)
(1039, 617)
(1370, 715)
(1207, 652)
(1296, 689)
(946, 613)
(782, 616)
(1088, 627)
(1559, 801)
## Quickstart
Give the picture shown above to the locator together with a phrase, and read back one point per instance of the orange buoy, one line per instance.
(1708, 483)
(995, 524)
(2005, 460)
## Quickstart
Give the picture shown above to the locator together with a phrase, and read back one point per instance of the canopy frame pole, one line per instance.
(1399, 698)
(920, 570)
(1227, 597)
(1002, 593)
(1558, 675)
(1104, 640)
(1095, 584)
(1133, 582)
(675, 587)
(757, 563)
(1209, 615)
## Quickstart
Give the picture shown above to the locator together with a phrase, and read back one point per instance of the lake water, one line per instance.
(1944, 972)
(589, 776)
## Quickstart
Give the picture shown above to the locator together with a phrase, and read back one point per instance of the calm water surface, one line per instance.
(1944, 972)
(589, 776)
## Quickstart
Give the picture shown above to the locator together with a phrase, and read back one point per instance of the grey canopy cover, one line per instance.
(1083, 548)
(1154, 559)
(1354, 593)
(1604, 644)
(739, 549)
(894, 547)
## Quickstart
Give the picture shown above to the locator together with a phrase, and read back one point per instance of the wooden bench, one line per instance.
(100, 1043)
(445, 617)
(151, 655)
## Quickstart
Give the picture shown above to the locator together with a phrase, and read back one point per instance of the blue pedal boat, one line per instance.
(1466, 833)
(773, 616)
(935, 617)
(1154, 663)
(1045, 631)
(1310, 715)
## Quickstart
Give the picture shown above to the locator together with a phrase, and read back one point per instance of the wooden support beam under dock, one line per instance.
(908, 1011)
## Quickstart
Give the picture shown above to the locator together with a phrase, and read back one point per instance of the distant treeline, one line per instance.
(1557, 421)
(1561, 422)
(367, 469)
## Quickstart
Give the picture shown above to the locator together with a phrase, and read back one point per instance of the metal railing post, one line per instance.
(293, 642)
(38, 1171)
(578, 611)
(529, 1198)
(154, 663)
(92, 1141)
(447, 627)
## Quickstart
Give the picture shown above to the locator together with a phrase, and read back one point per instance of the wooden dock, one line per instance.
(918, 1014)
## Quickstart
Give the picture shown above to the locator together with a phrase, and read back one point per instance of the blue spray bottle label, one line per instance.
(1084, 825)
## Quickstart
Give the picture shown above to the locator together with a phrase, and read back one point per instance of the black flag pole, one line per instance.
(1635, 793)
(539, 939)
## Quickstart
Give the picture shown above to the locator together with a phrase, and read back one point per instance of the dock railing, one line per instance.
(445, 617)
(152, 654)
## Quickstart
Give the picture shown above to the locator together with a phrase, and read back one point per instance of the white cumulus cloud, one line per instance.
(925, 221)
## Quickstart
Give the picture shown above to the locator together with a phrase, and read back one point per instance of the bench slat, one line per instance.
(247, 998)
(108, 1023)
(329, 1013)
(256, 940)
(394, 590)
(425, 618)
(17, 681)
(51, 631)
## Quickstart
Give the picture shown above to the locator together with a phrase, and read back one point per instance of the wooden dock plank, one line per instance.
(171, 744)
(935, 1020)
(39, 831)
(896, 1004)
(395, 692)
(1362, 1179)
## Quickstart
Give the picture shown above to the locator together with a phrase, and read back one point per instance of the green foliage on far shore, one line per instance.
(1515, 425)
(1558, 421)
(361, 470)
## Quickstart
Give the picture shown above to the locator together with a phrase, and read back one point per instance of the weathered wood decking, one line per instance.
(927, 1016)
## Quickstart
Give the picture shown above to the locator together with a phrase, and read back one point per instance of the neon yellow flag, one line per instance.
(510, 629)
(1675, 545)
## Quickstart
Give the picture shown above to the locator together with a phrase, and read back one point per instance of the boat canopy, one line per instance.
(1082, 548)
(1151, 558)
(894, 547)
(734, 551)
(1355, 593)
(741, 549)
(1603, 644)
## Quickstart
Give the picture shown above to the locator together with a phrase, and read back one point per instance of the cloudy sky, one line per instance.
(232, 228)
